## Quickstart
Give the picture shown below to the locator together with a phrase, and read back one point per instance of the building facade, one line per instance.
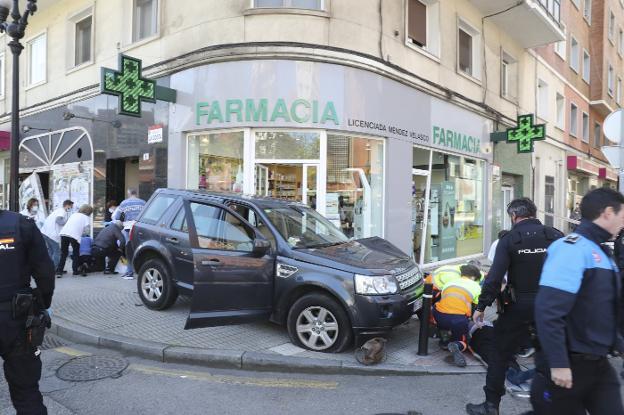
(379, 114)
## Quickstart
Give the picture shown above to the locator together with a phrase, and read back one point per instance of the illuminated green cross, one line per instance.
(526, 133)
(128, 85)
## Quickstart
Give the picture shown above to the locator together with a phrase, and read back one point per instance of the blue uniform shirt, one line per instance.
(577, 306)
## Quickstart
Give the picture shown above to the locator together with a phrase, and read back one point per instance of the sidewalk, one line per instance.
(106, 311)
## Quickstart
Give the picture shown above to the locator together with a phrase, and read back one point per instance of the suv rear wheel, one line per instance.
(155, 286)
(317, 322)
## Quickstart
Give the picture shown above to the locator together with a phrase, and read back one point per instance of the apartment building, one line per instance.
(376, 113)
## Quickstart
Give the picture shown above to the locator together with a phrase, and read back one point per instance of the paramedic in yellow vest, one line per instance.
(447, 273)
(454, 308)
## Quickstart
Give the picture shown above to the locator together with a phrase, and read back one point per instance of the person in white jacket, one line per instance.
(78, 224)
(51, 229)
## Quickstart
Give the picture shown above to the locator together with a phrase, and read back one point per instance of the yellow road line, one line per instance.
(71, 352)
(235, 380)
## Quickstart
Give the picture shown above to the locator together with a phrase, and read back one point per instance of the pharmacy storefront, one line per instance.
(370, 153)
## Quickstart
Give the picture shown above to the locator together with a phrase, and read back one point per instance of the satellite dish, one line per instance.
(613, 126)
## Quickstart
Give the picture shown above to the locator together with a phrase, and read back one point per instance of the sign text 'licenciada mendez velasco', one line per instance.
(238, 110)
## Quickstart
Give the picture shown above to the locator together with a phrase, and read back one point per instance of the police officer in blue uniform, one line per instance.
(23, 255)
(577, 314)
(520, 254)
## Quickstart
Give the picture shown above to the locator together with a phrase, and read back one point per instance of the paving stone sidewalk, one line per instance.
(111, 305)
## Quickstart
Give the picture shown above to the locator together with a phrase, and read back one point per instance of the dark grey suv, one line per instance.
(249, 258)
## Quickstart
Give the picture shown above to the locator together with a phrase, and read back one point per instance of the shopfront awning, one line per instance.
(583, 166)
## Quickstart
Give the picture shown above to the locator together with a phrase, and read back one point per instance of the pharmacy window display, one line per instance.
(215, 162)
(454, 210)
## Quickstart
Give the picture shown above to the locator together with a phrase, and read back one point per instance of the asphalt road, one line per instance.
(149, 387)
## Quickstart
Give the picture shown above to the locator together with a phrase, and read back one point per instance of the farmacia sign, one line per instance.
(300, 111)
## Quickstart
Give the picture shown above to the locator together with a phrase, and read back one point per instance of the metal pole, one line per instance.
(423, 335)
(16, 50)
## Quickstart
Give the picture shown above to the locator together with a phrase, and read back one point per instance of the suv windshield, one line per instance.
(303, 227)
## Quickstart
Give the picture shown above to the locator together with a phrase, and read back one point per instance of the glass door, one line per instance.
(421, 211)
(262, 180)
(310, 185)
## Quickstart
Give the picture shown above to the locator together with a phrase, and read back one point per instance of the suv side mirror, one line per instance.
(261, 247)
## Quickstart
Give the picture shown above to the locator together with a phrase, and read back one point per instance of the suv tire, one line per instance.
(155, 286)
(319, 323)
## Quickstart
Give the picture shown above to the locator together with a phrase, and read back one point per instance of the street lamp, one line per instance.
(15, 30)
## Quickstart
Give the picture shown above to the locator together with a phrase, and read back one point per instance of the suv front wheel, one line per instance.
(155, 286)
(317, 322)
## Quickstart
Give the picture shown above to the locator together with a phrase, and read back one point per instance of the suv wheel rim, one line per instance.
(317, 328)
(152, 284)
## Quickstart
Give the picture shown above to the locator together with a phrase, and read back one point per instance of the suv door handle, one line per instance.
(212, 262)
(172, 240)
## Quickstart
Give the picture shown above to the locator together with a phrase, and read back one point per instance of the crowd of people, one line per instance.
(66, 227)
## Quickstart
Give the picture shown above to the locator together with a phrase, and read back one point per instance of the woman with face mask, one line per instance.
(32, 211)
(110, 208)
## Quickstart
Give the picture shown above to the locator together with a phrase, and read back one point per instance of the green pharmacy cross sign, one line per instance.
(526, 133)
(131, 88)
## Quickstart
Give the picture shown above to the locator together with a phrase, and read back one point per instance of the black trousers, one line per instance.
(511, 330)
(595, 389)
(66, 241)
(113, 254)
(22, 369)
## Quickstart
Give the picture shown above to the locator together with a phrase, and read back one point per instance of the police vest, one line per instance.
(527, 249)
(11, 256)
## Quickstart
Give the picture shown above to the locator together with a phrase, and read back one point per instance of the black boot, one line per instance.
(458, 355)
(485, 408)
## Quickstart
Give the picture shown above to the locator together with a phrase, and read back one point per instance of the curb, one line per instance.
(233, 359)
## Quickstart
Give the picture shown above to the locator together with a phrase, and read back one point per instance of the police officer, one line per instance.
(577, 315)
(520, 254)
(23, 255)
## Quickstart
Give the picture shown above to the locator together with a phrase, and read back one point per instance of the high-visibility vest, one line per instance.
(445, 274)
(458, 297)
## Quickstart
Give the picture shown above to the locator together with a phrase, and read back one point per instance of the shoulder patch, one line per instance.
(572, 239)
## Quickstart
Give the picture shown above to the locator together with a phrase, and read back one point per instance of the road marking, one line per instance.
(71, 352)
(235, 380)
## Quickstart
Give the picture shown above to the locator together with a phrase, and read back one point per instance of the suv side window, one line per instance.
(218, 229)
(157, 208)
(179, 222)
(252, 217)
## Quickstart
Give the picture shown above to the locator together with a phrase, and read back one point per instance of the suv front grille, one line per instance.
(409, 278)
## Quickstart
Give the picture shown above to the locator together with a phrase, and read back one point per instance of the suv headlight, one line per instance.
(378, 285)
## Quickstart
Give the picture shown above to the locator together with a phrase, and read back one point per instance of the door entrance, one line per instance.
(421, 212)
(121, 175)
(508, 196)
(296, 182)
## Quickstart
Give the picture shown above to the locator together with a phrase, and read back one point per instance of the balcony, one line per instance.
(531, 23)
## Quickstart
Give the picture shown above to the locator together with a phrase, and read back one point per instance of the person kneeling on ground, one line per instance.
(110, 243)
(85, 259)
(453, 310)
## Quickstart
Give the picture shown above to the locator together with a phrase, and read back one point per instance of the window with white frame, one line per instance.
(618, 92)
(542, 99)
(611, 26)
(575, 51)
(573, 119)
(587, 6)
(292, 4)
(560, 104)
(468, 47)
(585, 127)
(560, 47)
(423, 25)
(144, 19)
(610, 80)
(577, 3)
(37, 59)
(81, 27)
(586, 66)
(597, 134)
(509, 76)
